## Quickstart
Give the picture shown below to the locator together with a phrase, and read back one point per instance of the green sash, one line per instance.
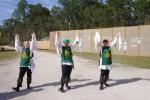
(25, 57)
(106, 56)
(66, 55)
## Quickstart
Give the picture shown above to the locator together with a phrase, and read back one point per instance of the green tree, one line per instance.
(38, 19)
(74, 14)
(142, 10)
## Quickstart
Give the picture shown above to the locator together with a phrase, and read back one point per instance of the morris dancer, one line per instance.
(26, 61)
(65, 50)
(105, 59)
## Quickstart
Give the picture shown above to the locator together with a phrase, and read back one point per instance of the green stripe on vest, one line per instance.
(66, 55)
(106, 56)
(25, 57)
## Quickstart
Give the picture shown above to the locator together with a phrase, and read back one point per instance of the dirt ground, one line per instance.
(126, 82)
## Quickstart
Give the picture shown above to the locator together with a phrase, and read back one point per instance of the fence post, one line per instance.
(112, 35)
(50, 39)
(139, 34)
(101, 34)
(112, 32)
(82, 41)
(91, 31)
(125, 39)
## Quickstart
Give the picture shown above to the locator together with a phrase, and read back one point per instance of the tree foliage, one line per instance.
(74, 14)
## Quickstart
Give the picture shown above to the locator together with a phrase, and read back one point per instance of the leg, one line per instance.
(106, 77)
(69, 70)
(20, 78)
(102, 79)
(63, 78)
(29, 78)
(21, 75)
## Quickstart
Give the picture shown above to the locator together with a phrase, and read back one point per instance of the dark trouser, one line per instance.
(66, 72)
(22, 72)
(104, 76)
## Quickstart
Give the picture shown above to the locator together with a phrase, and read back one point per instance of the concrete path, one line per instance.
(127, 83)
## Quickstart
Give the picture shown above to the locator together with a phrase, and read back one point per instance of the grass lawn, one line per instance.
(141, 62)
(5, 55)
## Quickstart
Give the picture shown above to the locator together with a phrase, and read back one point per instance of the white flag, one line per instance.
(32, 65)
(78, 40)
(120, 47)
(97, 40)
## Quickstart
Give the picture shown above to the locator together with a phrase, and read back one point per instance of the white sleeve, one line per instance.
(78, 41)
(100, 46)
(114, 42)
(33, 43)
(17, 45)
(58, 44)
(58, 47)
(120, 43)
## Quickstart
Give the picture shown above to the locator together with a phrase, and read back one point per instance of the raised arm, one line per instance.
(114, 41)
(97, 42)
(58, 43)
(78, 41)
(17, 43)
(33, 42)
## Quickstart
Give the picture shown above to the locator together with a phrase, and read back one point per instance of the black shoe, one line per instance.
(28, 86)
(101, 87)
(68, 87)
(107, 85)
(61, 90)
(16, 89)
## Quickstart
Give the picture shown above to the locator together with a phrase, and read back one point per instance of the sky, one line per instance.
(8, 6)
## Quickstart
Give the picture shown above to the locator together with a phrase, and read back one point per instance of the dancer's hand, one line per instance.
(118, 34)
(33, 34)
(57, 34)
(17, 36)
(77, 42)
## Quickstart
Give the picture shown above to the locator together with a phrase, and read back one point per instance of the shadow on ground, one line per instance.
(126, 81)
(13, 94)
(116, 82)
(38, 88)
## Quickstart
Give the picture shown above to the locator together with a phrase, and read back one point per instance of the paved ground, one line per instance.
(126, 83)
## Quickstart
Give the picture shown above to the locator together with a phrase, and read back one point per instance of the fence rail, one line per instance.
(136, 37)
(43, 45)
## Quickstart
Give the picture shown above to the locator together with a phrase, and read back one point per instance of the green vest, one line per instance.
(25, 57)
(106, 56)
(66, 55)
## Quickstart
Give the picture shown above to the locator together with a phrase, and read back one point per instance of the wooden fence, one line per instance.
(43, 45)
(136, 37)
